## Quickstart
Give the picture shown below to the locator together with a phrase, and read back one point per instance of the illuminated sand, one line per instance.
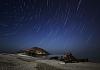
(18, 62)
(72, 66)
(10, 62)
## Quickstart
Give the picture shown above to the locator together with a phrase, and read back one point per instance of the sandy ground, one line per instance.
(23, 62)
(72, 66)
(11, 62)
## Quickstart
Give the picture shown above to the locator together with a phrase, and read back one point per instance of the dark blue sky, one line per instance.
(54, 25)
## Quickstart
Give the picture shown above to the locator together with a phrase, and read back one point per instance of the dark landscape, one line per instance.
(23, 62)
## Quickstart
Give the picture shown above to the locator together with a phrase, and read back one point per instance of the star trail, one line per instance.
(55, 25)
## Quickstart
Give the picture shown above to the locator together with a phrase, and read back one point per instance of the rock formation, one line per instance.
(36, 51)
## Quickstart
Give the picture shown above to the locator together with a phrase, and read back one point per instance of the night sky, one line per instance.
(55, 25)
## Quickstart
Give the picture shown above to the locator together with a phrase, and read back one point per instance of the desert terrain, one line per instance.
(23, 62)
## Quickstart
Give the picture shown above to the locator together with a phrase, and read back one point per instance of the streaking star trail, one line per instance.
(51, 24)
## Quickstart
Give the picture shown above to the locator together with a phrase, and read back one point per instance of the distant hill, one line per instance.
(35, 51)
